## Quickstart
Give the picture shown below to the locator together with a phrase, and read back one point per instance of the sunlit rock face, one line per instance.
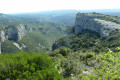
(15, 33)
(91, 21)
(2, 36)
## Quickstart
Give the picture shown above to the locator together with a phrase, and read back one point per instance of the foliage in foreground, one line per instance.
(107, 67)
(29, 66)
(88, 65)
(72, 63)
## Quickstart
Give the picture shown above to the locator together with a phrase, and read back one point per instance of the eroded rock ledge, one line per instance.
(94, 22)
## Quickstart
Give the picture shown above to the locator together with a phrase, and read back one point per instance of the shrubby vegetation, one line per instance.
(111, 18)
(72, 62)
(87, 56)
(8, 47)
(88, 41)
(87, 65)
(34, 41)
(107, 67)
(30, 66)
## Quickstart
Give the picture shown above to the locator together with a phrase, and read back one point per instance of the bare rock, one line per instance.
(93, 22)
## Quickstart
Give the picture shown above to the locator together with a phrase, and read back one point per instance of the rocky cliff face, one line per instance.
(93, 22)
(2, 38)
(15, 33)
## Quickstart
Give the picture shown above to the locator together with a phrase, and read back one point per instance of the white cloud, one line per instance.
(9, 6)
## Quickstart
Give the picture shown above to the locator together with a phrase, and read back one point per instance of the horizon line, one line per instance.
(60, 10)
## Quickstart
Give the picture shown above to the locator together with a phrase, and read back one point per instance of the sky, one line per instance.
(15, 6)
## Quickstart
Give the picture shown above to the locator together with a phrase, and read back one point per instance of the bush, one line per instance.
(96, 50)
(89, 55)
(64, 51)
(30, 66)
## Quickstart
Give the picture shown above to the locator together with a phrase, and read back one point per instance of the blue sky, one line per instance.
(12, 6)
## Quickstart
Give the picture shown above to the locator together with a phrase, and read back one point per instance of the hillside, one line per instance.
(33, 35)
(26, 31)
(85, 54)
(66, 17)
(91, 30)
(49, 46)
(33, 31)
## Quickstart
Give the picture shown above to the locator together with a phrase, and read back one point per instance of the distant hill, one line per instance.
(112, 13)
(60, 16)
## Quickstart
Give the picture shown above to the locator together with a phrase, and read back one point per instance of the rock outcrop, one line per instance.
(2, 38)
(18, 46)
(15, 33)
(93, 22)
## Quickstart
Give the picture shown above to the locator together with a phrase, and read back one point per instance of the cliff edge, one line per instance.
(102, 24)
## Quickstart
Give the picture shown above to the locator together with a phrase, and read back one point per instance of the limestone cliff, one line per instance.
(2, 38)
(15, 33)
(95, 22)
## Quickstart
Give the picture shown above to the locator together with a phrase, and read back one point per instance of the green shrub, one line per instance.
(64, 51)
(8, 47)
(89, 55)
(29, 66)
(96, 50)
(107, 67)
